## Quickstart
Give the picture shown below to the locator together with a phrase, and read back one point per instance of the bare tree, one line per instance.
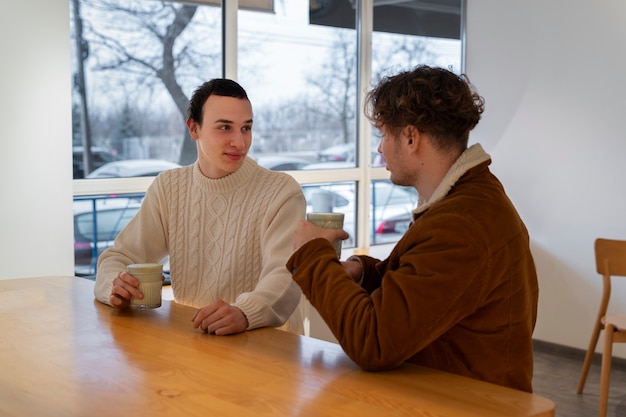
(336, 80)
(80, 110)
(282, 126)
(404, 52)
(145, 40)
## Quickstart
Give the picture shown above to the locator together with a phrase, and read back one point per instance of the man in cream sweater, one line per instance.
(225, 222)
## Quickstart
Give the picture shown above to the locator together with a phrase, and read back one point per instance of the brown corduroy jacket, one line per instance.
(458, 293)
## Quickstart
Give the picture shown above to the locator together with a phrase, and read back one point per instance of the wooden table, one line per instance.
(64, 354)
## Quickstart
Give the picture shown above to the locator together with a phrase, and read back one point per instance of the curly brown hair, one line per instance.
(434, 100)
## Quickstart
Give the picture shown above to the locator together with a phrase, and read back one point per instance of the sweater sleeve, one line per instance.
(275, 296)
(142, 240)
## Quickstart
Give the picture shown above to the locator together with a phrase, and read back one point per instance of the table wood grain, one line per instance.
(64, 354)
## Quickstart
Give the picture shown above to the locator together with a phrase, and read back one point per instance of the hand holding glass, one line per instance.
(328, 221)
(150, 277)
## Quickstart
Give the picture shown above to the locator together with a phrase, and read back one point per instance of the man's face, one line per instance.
(225, 135)
(393, 149)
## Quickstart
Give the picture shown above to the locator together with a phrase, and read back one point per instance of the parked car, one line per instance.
(95, 231)
(97, 221)
(132, 168)
(343, 156)
(390, 218)
(392, 227)
(342, 152)
(100, 157)
(329, 165)
(281, 163)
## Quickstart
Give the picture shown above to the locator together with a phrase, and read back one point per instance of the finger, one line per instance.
(120, 292)
(125, 278)
(198, 319)
(202, 314)
(220, 318)
(222, 326)
(126, 291)
(126, 281)
(209, 326)
(234, 321)
(117, 301)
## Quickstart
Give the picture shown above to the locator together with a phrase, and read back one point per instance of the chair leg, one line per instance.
(589, 356)
(605, 376)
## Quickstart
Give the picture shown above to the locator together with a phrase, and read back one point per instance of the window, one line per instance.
(97, 221)
(135, 66)
(301, 79)
(305, 65)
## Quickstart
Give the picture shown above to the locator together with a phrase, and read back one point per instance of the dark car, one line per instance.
(100, 157)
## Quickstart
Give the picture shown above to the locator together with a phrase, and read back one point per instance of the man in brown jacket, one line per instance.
(459, 290)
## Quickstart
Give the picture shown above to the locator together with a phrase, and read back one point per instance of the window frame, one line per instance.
(363, 174)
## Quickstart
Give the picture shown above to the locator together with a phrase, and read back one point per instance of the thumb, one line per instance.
(342, 234)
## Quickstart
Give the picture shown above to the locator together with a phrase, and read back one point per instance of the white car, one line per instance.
(390, 218)
(281, 163)
(132, 168)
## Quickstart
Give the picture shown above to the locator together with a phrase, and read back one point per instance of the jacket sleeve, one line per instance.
(435, 283)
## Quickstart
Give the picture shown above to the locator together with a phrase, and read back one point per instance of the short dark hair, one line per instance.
(217, 86)
(434, 100)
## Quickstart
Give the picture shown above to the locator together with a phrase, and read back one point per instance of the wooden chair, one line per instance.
(610, 261)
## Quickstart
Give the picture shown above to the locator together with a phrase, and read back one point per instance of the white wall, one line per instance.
(36, 236)
(552, 74)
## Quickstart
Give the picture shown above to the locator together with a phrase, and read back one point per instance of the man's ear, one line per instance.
(411, 135)
(192, 126)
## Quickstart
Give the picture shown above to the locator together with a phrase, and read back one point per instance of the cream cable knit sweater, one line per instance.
(227, 238)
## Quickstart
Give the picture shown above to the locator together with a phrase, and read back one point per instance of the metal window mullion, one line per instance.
(365, 25)
(463, 33)
(229, 38)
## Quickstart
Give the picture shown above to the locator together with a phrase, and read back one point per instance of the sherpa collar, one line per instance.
(472, 156)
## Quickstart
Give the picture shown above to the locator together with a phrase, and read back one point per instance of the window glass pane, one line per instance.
(412, 32)
(337, 197)
(141, 60)
(301, 79)
(137, 64)
(392, 213)
(408, 33)
(97, 222)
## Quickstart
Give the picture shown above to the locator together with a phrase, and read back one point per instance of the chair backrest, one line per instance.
(610, 257)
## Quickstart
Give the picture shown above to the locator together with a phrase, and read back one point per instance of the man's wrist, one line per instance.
(355, 258)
